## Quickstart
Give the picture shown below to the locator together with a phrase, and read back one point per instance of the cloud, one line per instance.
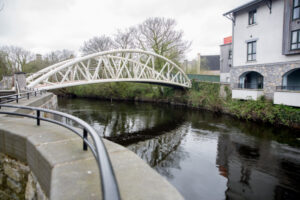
(46, 25)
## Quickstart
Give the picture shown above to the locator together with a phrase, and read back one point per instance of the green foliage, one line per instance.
(4, 68)
(202, 95)
(266, 111)
(35, 66)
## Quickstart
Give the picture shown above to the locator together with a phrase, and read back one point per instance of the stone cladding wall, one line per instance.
(272, 73)
(17, 181)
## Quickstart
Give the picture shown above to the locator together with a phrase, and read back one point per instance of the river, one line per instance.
(204, 155)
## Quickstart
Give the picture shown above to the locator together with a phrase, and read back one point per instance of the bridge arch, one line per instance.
(126, 65)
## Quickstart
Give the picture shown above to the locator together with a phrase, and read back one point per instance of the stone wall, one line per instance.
(17, 181)
(272, 73)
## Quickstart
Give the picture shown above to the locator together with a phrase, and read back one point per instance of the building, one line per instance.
(266, 51)
(225, 60)
(204, 64)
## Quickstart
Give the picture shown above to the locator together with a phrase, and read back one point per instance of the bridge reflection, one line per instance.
(164, 151)
(205, 156)
(126, 123)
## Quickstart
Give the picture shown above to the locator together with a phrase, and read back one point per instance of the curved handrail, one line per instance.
(109, 186)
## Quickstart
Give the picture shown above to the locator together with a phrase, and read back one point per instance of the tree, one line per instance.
(58, 56)
(4, 68)
(125, 39)
(97, 44)
(159, 35)
(16, 57)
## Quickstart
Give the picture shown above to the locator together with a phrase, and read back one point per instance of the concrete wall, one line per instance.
(225, 63)
(225, 77)
(246, 94)
(268, 31)
(287, 98)
(6, 83)
(63, 170)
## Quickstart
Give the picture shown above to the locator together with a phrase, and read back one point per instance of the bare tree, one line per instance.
(159, 35)
(58, 56)
(16, 57)
(125, 39)
(97, 44)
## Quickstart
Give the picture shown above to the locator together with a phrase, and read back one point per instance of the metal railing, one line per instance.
(109, 186)
(18, 96)
(249, 85)
(290, 87)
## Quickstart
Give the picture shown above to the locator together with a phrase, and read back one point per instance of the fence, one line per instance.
(206, 78)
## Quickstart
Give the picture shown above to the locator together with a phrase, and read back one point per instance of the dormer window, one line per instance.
(252, 17)
(296, 9)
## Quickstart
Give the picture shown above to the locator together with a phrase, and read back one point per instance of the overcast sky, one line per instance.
(46, 25)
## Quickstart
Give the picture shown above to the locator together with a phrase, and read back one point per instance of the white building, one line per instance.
(266, 50)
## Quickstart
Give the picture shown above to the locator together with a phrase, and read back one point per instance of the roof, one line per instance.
(242, 7)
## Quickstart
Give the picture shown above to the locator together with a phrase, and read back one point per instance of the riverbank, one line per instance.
(202, 95)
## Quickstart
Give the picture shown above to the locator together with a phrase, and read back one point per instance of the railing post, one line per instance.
(38, 114)
(17, 98)
(85, 135)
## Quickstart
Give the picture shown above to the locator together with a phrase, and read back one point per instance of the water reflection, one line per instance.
(259, 170)
(122, 122)
(163, 152)
(204, 156)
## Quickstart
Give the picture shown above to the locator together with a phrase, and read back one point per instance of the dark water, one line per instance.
(203, 155)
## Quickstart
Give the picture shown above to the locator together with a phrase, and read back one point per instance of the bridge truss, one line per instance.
(111, 66)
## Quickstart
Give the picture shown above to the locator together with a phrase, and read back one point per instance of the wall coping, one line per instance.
(64, 171)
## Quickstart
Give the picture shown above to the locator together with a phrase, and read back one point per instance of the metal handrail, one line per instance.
(109, 186)
(18, 96)
(248, 85)
(288, 87)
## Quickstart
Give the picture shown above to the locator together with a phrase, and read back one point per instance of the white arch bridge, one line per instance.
(126, 65)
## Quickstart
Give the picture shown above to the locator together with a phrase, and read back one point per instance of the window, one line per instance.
(230, 54)
(295, 44)
(296, 9)
(251, 51)
(252, 17)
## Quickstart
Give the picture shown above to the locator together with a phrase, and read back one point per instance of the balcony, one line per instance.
(287, 95)
(247, 91)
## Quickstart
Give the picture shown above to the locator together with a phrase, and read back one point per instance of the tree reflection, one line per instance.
(252, 157)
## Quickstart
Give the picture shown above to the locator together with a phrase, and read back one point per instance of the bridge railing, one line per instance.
(18, 96)
(109, 186)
